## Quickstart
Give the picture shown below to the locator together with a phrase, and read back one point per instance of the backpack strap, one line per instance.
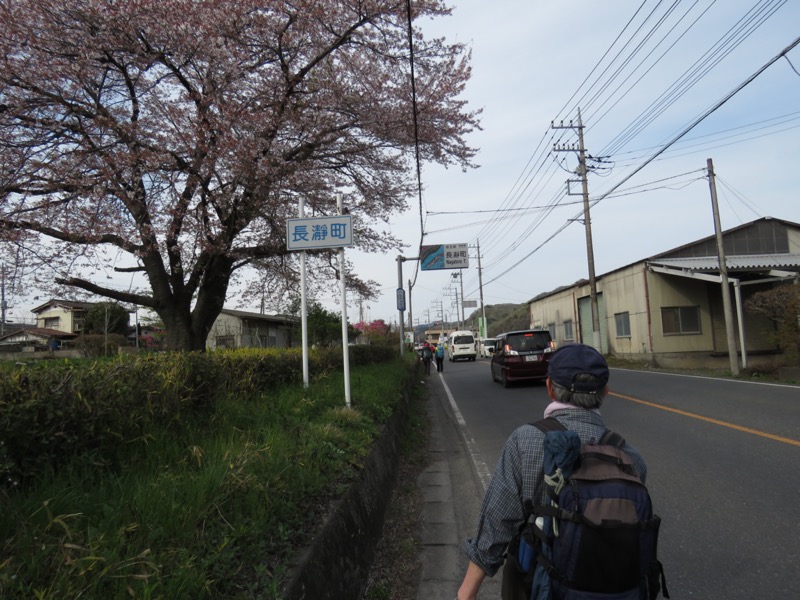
(549, 424)
(610, 438)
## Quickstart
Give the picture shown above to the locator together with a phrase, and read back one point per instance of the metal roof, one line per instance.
(752, 262)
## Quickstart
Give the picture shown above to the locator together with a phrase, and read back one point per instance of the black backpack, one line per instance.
(597, 537)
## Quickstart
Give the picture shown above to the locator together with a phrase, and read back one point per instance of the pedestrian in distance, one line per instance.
(427, 357)
(576, 384)
(440, 357)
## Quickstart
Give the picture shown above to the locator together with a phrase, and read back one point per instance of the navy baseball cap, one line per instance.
(572, 360)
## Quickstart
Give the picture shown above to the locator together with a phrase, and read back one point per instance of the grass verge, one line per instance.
(211, 511)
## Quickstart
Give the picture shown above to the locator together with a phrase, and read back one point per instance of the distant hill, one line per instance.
(501, 317)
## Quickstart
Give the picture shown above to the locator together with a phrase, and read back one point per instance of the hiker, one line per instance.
(576, 383)
(440, 357)
(427, 357)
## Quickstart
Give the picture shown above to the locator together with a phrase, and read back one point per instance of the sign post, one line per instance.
(314, 233)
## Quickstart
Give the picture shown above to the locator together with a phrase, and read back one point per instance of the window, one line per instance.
(680, 320)
(226, 341)
(569, 333)
(623, 323)
(51, 322)
(551, 327)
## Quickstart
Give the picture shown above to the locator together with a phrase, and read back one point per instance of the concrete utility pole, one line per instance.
(485, 332)
(723, 272)
(587, 221)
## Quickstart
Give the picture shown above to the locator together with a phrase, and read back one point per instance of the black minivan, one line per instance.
(521, 356)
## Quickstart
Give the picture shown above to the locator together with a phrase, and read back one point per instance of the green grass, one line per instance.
(211, 511)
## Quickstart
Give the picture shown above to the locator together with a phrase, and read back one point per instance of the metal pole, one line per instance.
(303, 308)
(723, 273)
(400, 260)
(461, 279)
(410, 319)
(343, 294)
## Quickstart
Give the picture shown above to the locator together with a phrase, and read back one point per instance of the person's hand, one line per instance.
(472, 583)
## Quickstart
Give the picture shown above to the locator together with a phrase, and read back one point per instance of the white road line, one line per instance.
(484, 474)
(785, 385)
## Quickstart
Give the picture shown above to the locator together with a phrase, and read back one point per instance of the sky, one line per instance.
(641, 73)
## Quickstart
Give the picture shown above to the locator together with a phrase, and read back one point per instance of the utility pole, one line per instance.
(587, 222)
(485, 332)
(723, 272)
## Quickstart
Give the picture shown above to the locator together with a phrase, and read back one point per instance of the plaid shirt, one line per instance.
(519, 476)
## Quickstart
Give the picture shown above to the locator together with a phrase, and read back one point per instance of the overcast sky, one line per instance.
(641, 73)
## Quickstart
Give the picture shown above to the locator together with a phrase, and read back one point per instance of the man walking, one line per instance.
(440, 357)
(576, 384)
(427, 357)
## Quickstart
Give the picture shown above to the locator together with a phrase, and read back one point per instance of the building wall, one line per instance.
(556, 310)
(667, 291)
(794, 240)
(66, 320)
(625, 295)
(232, 331)
(642, 295)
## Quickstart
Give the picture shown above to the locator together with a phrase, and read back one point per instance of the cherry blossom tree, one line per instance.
(175, 138)
(375, 331)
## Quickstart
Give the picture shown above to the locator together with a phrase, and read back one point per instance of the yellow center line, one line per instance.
(777, 438)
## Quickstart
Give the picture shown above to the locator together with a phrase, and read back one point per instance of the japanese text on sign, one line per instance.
(445, 256)
(319, 232)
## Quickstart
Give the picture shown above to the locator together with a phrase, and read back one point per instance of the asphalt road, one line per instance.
(723, 469)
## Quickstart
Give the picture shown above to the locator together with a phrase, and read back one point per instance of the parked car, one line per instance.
(486, 347)
(462, 345)
(521, 356)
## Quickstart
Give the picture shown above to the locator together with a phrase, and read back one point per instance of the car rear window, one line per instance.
(464, 339)
(529, 341)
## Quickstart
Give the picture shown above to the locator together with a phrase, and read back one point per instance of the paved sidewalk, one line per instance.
(452, 493)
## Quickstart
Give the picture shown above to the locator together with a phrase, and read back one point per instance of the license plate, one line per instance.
(532, 358)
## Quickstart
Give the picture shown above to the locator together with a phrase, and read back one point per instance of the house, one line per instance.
(30, 339)
(668, 309)
(62, 315)
(239, 329)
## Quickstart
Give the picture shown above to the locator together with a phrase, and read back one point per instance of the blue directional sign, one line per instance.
(319, 232)
(401, 299)
(444, 256)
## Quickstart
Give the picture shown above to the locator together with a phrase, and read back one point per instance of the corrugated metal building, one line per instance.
(668, 309)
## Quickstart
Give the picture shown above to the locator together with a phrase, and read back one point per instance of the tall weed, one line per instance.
(211, 506)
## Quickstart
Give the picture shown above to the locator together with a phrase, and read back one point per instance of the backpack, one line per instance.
(426, 353)
(597, 538)
(439, 351)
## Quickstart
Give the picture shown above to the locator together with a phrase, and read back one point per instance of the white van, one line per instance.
(486, 347)
(462, 345)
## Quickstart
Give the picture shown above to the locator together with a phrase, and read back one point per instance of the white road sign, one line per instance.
(319, 232)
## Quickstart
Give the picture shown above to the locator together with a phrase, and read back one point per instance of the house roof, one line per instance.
(68, 304)
(40, 332)
(260, 316)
